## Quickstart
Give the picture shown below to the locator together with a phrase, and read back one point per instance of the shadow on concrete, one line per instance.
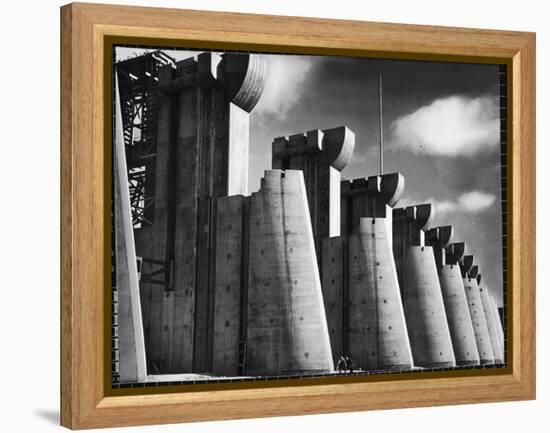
(49, 415)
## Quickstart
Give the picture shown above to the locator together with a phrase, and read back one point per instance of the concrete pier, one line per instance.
(335, 282)
(321, 156)
(373, 197)
(287, 330)
(454, 297)
(376, 322)
(479, 323)
(378, 337)
(492, 324)
(499, 327)
(408, 229)
(427, 324)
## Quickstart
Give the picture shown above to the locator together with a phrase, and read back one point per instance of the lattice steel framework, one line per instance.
(138, 85)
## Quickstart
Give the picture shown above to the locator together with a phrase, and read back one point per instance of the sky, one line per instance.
(441, 131)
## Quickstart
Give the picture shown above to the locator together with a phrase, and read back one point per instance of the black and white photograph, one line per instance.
(275, 216)
(281, 216)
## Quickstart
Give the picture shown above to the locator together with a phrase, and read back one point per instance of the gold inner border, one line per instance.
(109, 41)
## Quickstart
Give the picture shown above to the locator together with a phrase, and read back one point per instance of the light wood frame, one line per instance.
(85, 398)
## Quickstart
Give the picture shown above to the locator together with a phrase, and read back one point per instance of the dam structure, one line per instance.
(362, 297)
(473, 295)
(493, 324)
(212, 282)
(447, 255)
(421, 291)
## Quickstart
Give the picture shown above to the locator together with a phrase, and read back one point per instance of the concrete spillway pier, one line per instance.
(424, 310)
(377, 330)
(376, 322)
(454, 297)
(458, 316)
(479, 323)
(499, 327)
(429, 333)
(492, 324)
(335, 276)
(361, 294)
(286, 325)
(321, 156)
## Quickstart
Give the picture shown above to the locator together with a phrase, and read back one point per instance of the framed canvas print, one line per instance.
(268, 216)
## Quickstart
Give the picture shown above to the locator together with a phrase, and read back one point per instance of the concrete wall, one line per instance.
(202, 154)
(499, 328)
(481, 331)
(377, 331)
(154, 242)
(321, 156)
(424, 310)
(417, 273)
(231, 280)
(492, 324)
(447, 256)
(371, 315)
(408, 229)
(237, 167)
(335, 294)
(182, 308)
(287, 328)
(373, 197)
(458, 316)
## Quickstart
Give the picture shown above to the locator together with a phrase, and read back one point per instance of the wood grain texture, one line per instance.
(67, 385)
(84, 226)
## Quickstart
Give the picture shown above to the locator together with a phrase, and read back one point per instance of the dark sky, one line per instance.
(440, 131)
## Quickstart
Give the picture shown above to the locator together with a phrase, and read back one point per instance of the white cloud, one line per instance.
(451, 126)
(476, 201)
(285, 80)
(469, 202)
(443, 206)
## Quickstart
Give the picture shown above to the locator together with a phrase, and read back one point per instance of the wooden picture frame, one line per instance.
(87, 30)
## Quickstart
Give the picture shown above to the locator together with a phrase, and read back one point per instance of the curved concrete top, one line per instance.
(424, 215)
(338, 146)
(454, 252)
(392, 187)
(334, 146)
(440, 236)
(420, 214)
(388, 187)
(207, 68)
(474, 270)
(244, 76)
(466, 264)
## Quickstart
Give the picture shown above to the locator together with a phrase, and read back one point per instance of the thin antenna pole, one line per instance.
(380, 123)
